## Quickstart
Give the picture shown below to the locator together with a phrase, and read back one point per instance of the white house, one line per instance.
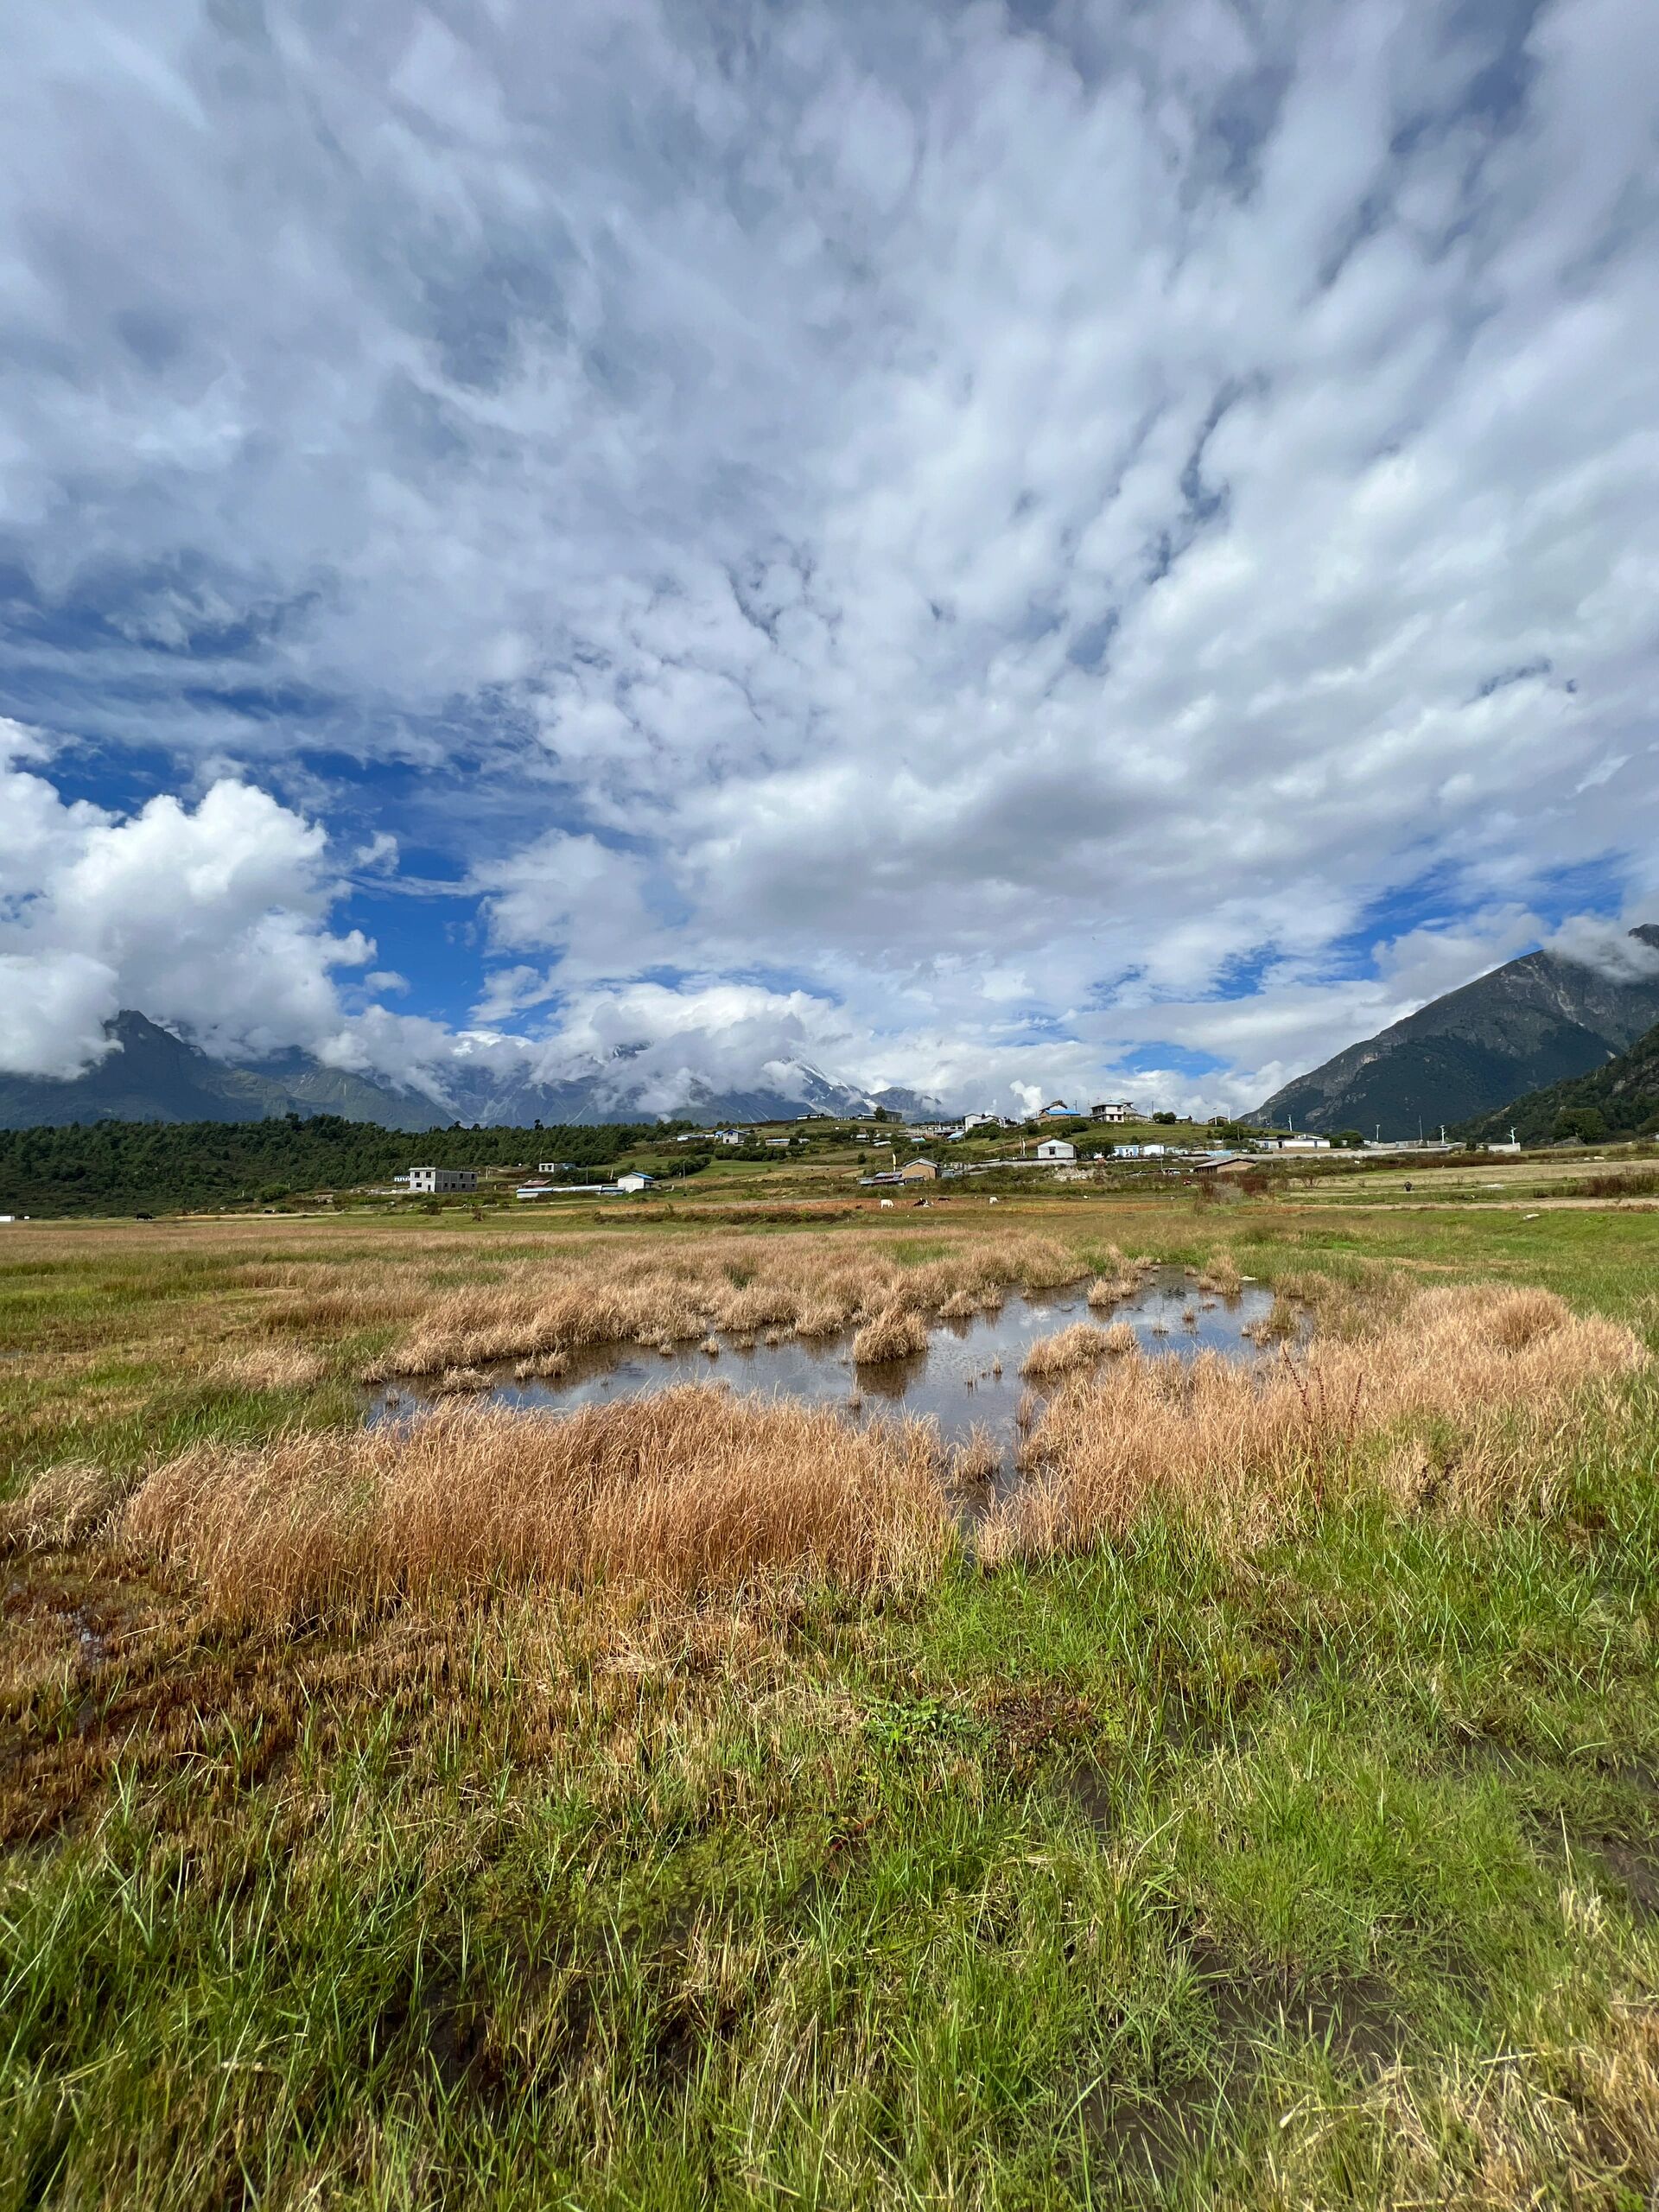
(1056, 1148)
(1113, 1110)
(635, 1181)
(435, 1180)
(983, 1122)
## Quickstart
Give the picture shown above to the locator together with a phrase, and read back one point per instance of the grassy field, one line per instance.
(673, 1807)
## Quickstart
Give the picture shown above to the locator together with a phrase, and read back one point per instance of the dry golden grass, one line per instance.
(63, 1506)
(1221, 1275)
(1463, 1397)
(460, 1382)
(976, 1461)
(742, 1287)
(1064, 1352)
(1121, 1279)
(267, 1367)
(545, 1367)
(689, 1492)
(1550, 2123)
(897, 1332)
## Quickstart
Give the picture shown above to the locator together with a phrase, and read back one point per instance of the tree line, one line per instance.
(103, 1167)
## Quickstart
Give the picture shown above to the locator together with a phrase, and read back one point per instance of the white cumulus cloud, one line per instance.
(214, 916)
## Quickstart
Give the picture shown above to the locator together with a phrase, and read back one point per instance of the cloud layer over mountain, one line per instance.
(1041, 544)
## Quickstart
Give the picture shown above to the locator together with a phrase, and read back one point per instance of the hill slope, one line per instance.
(1535, 1021)
(1624, 1092)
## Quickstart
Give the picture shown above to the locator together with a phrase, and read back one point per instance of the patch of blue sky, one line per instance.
(119, 779)
(1443, 897)
(1162, 1057)
(1242, 975)
(430, 938)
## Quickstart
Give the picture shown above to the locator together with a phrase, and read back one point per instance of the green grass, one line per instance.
(1326, 1875)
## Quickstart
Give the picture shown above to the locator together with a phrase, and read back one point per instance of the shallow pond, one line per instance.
(968, 1378)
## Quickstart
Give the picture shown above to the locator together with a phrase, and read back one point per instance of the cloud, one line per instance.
(56, 1004)
(213, 917)
(1608, 947)
(584, 900)
(1039, 527)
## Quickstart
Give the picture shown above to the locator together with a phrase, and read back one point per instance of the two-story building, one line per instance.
(437, 1182)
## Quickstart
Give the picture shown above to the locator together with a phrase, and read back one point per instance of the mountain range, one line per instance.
(155, 1075)
(1536, 1025)
(1538, 1020)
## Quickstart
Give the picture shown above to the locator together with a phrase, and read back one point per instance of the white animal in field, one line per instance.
(993, 1202)
(888, 1203)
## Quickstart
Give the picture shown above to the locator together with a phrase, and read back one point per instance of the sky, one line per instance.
(1026, 547)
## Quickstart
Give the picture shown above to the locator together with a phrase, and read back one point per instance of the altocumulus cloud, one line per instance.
(1002, 542)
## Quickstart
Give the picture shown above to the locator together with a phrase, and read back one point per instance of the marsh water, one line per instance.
(968, 1378)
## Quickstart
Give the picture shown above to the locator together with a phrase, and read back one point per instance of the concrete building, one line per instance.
(635, 1181)
(1112, 1109)
(434, 1182)
(918, 1171)
(1057, 1149)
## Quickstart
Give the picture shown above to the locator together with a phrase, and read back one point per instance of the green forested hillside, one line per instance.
(168, 1167)
(1620, 1099)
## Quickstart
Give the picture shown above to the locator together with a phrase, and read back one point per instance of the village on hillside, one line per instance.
(1058, 1140)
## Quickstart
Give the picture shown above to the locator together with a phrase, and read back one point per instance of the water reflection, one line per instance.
(968, 1378)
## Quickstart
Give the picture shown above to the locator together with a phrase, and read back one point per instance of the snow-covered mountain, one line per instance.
(155, 1075)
